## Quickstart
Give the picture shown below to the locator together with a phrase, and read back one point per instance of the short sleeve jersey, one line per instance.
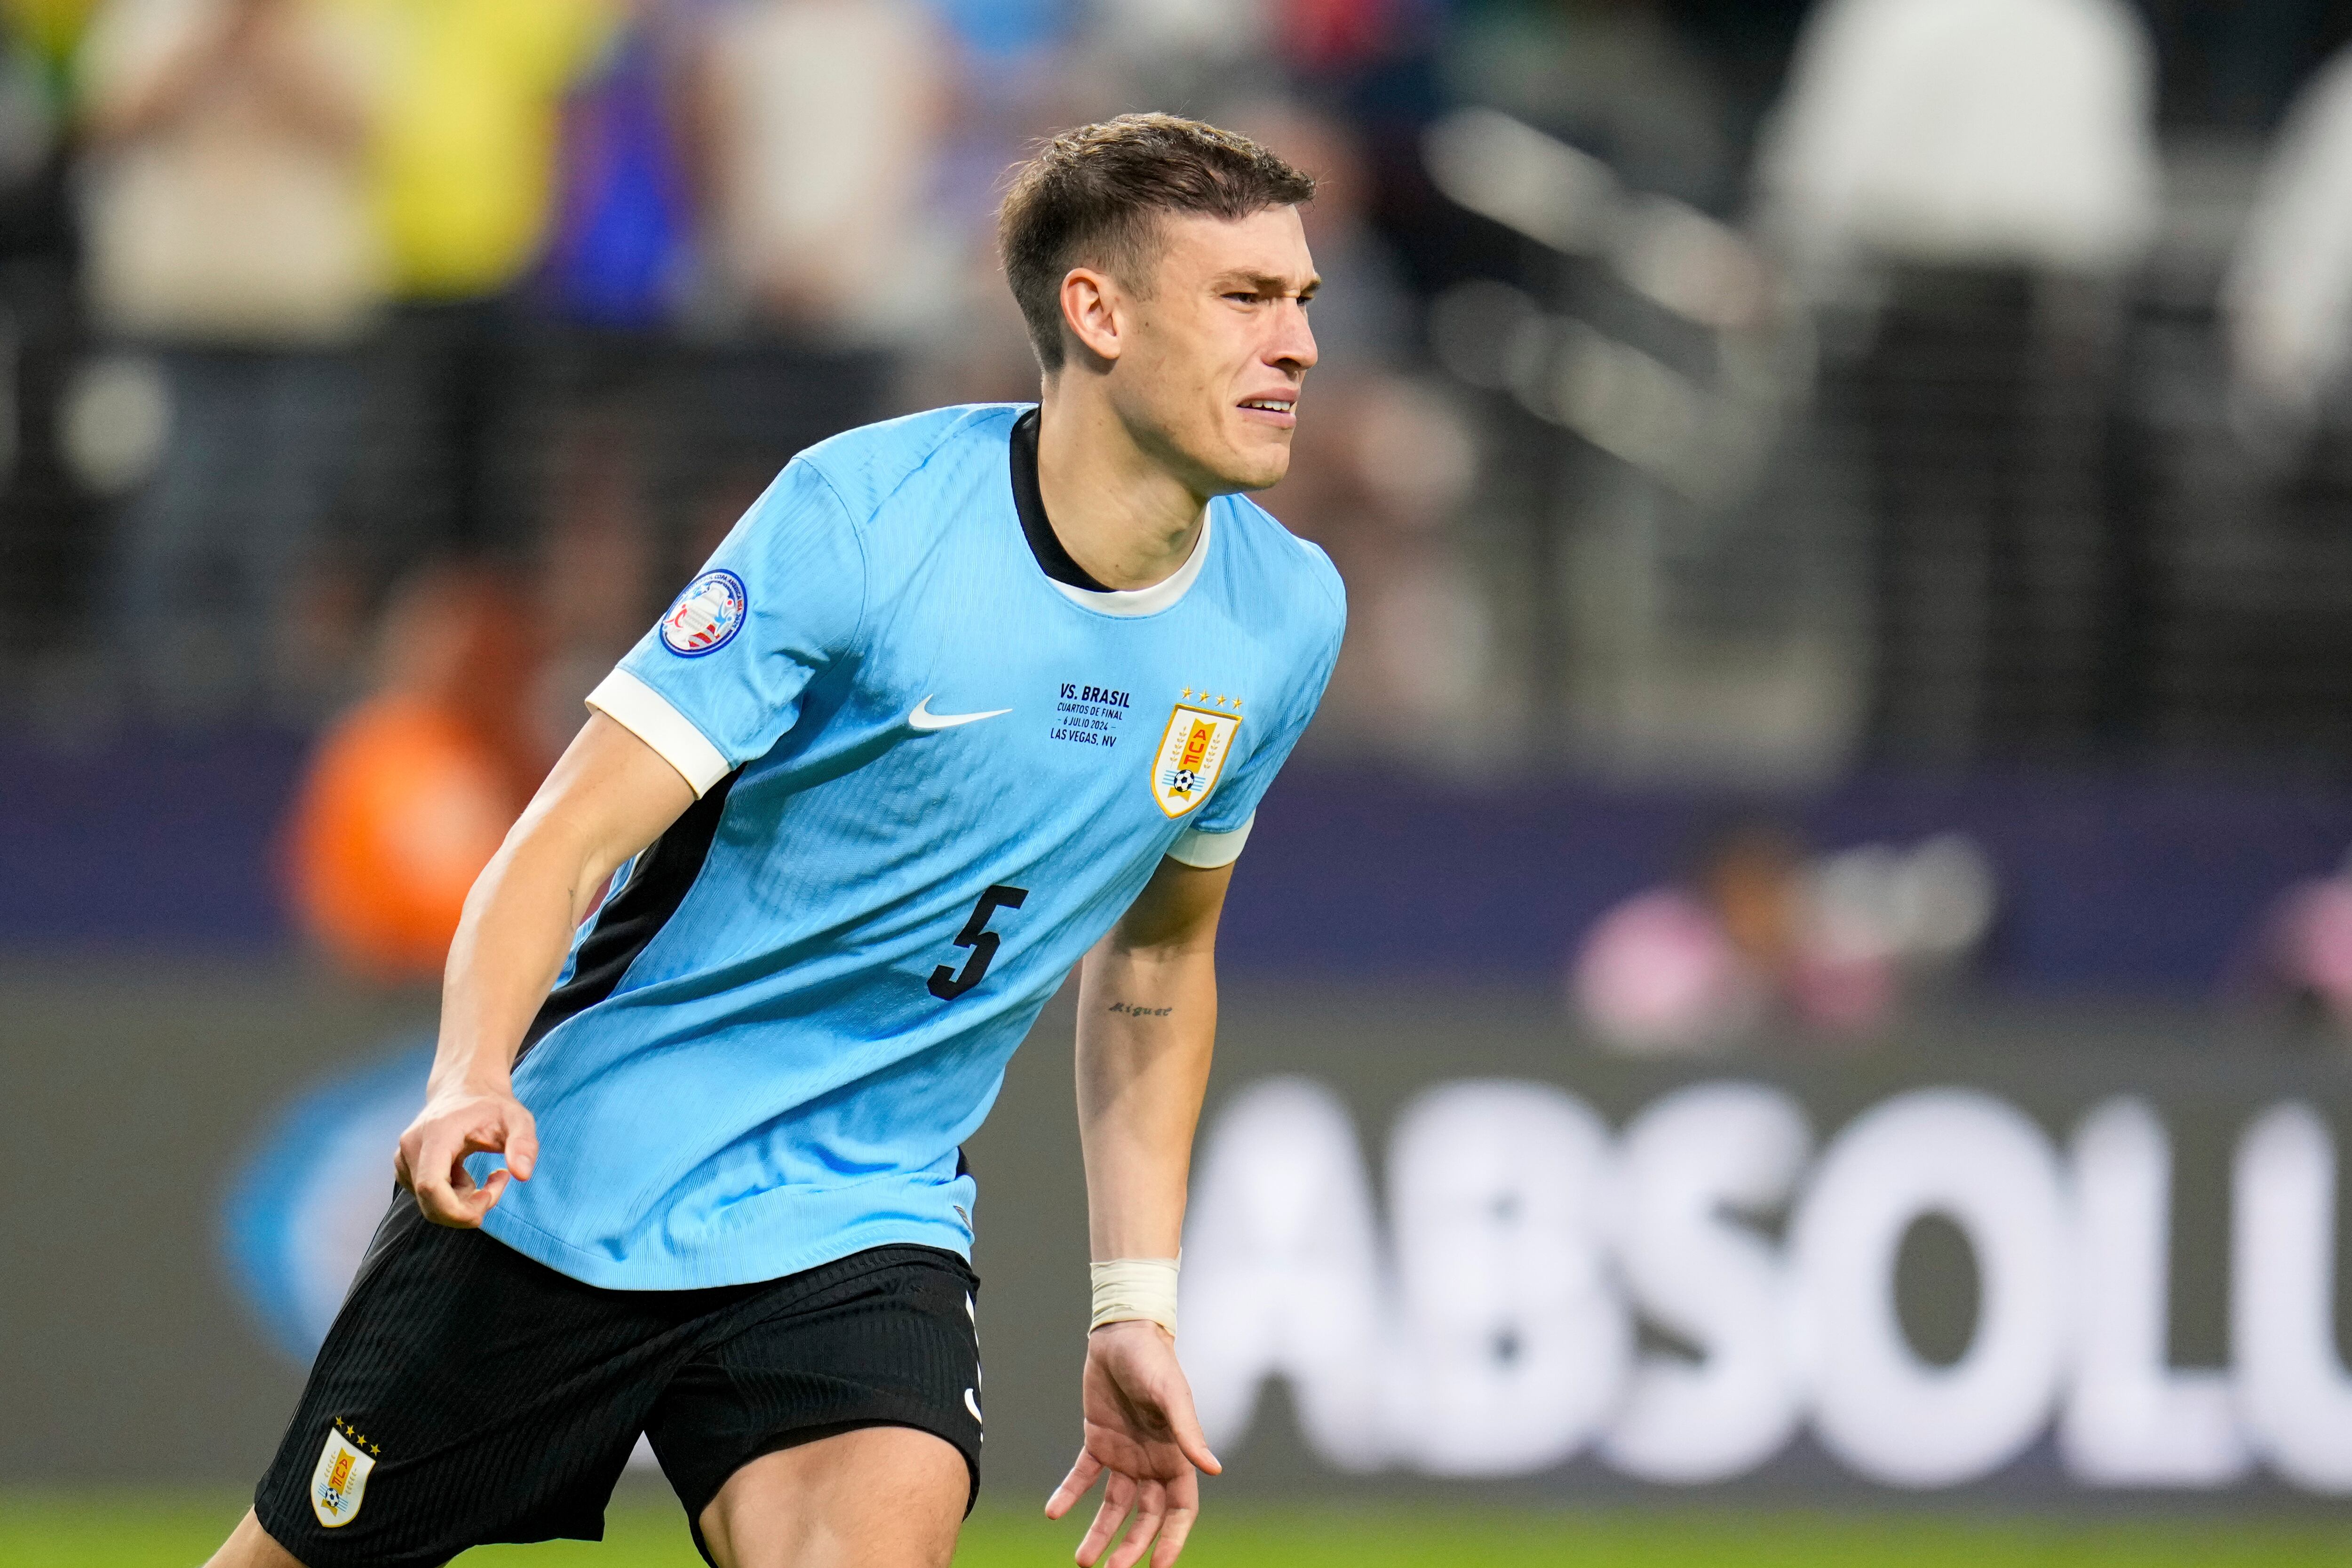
(929, 778)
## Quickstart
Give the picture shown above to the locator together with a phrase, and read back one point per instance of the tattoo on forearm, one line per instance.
(1132, 1011)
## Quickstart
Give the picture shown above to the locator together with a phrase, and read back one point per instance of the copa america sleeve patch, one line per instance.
(339, 1483)
(707, 616)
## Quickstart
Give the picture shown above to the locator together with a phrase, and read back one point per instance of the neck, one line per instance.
(1117, 509)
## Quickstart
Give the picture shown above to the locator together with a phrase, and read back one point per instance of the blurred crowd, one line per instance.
(1738, 390)
(1761, 938)
(1709, 390)
(303, 301)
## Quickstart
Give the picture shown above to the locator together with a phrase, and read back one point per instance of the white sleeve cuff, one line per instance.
(647, 714)
(1210, 850)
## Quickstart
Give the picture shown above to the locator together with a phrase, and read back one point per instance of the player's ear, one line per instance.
(1090, 310)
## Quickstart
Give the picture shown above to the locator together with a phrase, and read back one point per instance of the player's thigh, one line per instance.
(250, 1546)
(883, 1342)
(881, 1497)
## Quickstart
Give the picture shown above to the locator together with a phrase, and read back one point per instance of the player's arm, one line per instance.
(1147, 1026)
(609, 795)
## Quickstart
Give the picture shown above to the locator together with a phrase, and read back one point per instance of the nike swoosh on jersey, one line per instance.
(922, 718)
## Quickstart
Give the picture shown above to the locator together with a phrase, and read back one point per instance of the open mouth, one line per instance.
(1275, 410)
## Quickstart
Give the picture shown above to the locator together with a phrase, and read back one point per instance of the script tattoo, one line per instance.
(1132, 1011)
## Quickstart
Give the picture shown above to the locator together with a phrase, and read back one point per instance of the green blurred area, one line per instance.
(81, 1531)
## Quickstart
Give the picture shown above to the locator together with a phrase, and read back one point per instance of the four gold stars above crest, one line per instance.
(358, 1439)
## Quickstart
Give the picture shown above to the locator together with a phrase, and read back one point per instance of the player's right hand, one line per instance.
(457, 1122)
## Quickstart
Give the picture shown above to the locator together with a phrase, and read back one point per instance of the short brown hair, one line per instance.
(1090, 196)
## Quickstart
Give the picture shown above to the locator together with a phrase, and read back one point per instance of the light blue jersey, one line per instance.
(931, 777)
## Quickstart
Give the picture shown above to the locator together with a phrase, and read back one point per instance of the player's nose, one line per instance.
(1292, 347)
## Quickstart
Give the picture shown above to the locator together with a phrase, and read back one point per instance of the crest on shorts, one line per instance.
(339, 1483)
(707, 616)
(1192, 754)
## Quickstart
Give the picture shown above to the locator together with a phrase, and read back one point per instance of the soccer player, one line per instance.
(966, 699)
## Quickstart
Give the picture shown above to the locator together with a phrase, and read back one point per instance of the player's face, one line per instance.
(1222, 347)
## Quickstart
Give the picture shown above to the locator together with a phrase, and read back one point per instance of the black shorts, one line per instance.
(467, 1395)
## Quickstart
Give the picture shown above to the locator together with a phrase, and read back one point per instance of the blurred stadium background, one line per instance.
(1793, 1007)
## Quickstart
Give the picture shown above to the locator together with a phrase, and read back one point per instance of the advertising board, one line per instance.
(1437, 1246)
(1432, 1246)
(1463, 1249)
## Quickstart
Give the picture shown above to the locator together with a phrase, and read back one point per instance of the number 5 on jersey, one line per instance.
(947, 984)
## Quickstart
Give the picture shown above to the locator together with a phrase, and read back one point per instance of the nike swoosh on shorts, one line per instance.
(922, 718)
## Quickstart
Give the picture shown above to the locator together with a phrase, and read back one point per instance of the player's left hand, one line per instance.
(1141, 1430)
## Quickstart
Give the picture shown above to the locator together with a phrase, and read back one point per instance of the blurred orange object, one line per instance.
(401, 812)
(411, 792)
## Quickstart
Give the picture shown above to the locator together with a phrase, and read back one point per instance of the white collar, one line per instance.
(1159, 595)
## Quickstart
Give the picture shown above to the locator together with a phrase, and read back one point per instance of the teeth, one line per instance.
(1270, 404)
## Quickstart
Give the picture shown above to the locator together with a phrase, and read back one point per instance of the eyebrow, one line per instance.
(1267, 283)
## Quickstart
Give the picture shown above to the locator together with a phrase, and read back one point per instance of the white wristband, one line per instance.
(1130, 1290)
